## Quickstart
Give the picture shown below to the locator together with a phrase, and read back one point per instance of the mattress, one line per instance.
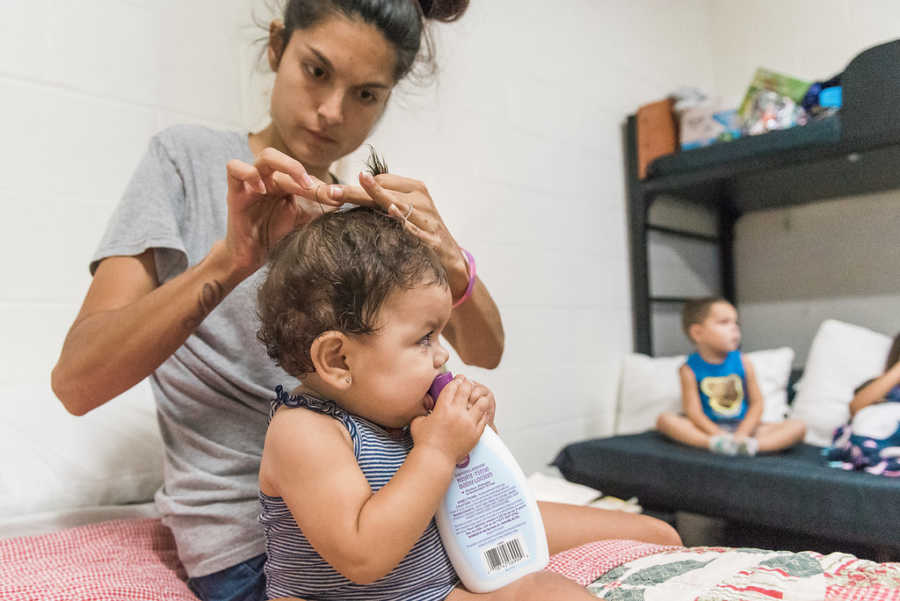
(793, 490)
(51, 521)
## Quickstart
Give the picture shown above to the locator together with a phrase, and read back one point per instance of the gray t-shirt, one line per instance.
(213, 393)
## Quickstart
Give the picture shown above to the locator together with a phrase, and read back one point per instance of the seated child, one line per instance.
(721, 400)
(357, 459)
(871, 441)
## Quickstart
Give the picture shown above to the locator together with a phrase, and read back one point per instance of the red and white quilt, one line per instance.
(135, 560)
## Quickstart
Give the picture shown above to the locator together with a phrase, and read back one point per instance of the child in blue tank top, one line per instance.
(721, 400)
(358, 458)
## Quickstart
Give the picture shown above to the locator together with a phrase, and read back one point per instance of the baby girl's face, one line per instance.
(393, 368)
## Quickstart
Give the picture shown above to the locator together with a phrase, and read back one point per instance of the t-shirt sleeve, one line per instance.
(149, 214)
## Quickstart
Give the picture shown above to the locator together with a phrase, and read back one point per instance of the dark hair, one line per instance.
(402, 22)
(696, 310)
(893, 354)
(892, 358)
(335, 274)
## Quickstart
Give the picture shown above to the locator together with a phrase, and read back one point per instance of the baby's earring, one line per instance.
(348, 379)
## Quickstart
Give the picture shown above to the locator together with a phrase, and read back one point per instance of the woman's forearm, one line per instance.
(111, 348)
(475, 329)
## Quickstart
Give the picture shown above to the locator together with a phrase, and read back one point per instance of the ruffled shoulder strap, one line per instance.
(312, 403)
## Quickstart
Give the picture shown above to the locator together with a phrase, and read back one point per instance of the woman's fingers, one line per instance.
(248, 176)
(284, 184)
(383, 197)
(356, 195)
(409, 219)
(400, 183)
(270, 160)
(360, 195)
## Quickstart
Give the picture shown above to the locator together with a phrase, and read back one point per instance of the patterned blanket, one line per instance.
(725, 574)
(135, 560)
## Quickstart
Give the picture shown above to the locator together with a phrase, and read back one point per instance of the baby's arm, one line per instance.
(690, 402)
(364, 535)
(875, 391)
(755, 402)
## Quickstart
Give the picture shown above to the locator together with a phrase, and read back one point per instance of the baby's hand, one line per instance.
(457, 421)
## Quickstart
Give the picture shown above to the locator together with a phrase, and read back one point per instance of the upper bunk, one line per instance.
(853, 152)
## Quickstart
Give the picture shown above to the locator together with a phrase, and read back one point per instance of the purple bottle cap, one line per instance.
(437, 386)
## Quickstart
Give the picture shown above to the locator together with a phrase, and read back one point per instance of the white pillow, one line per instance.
(651, 385)
(55, 461)
(842, 357)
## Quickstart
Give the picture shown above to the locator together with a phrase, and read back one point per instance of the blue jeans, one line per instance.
(242, 582)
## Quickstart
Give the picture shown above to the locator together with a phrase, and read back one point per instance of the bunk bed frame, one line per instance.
(853, 152)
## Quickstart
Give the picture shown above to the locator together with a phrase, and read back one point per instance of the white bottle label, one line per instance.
(487, 513)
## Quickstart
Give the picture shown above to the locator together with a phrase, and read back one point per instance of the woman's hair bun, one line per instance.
(443, 10)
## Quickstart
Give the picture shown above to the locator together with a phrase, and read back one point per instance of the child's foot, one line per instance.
(723, 444)
(747, 446)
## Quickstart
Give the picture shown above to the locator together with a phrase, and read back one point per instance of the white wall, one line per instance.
(834, 259)
(519, 143)
(83, 85)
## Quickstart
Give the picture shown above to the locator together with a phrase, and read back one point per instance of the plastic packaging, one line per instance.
(489, 520)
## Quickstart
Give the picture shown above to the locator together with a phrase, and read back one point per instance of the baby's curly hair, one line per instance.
(335, 274)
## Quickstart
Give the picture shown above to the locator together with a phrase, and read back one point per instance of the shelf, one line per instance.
(854, 152)
(798, 176)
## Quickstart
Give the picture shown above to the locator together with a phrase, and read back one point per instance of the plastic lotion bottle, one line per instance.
(489, 520)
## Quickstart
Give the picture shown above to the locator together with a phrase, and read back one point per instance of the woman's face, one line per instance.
(332, 84)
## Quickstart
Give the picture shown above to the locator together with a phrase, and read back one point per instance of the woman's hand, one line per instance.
(267, 200)
(475, 329)
(408, 200)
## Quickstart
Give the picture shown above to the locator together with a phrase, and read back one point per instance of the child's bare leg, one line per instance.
(569, 526)
(680, 428)
(539, 586)
(775, 437)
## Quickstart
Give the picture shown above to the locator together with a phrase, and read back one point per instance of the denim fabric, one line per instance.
(243, 582)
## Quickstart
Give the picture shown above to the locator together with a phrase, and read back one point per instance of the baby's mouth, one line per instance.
(428, 403)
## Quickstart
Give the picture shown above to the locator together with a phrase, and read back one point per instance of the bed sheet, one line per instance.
(52, 521)
(135, 559)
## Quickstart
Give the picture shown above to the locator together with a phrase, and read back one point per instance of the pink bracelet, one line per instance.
(470, 266)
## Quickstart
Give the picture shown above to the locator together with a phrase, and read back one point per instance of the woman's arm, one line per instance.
(475, 329)
(755, 402)
(875, 391)
(362, 534)
(690, 402)
(129, 324)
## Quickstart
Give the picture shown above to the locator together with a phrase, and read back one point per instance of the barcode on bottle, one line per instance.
(506, 554)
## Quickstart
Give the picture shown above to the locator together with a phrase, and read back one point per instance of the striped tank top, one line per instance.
(294, 568)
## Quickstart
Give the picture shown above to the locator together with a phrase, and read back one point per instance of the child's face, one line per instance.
(720, 331)
(393, 368)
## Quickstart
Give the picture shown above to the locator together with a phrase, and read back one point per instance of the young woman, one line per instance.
(175, 276)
